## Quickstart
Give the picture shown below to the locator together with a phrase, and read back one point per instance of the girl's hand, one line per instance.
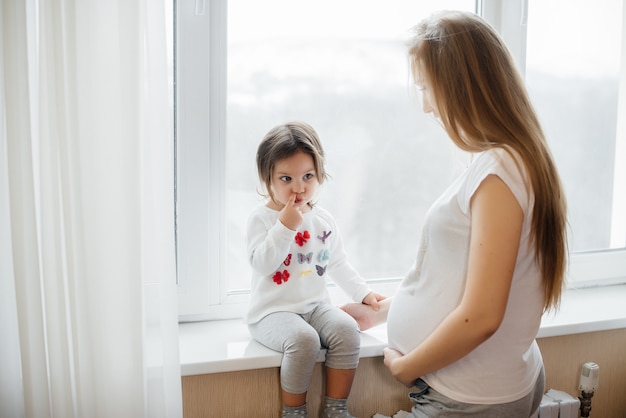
(393, 361)
(363, 314)
(291, 215)
(372, 299)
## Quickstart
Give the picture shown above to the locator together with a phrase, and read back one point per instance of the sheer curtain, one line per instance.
(88, 319)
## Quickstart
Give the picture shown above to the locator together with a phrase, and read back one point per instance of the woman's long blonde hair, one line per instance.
(483, 104)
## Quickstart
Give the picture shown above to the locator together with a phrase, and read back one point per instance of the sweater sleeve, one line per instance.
(342, 272)
(268, 243)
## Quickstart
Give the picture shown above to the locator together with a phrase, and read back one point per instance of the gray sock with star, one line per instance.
(294, 411)
(335, 408)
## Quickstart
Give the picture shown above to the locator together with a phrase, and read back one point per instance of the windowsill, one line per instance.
(226, 346)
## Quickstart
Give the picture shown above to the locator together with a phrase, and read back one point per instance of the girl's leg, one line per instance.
(293, 399)
(339, 382)
(339, 333)
(290, 334)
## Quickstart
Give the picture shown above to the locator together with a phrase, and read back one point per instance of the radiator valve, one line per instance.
(589, 379)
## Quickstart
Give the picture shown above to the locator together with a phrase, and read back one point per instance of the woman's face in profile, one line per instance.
(428, 104)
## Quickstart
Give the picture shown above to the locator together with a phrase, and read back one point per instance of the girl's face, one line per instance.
(294, 175)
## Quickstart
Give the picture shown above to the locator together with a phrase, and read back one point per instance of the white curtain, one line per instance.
(88, 318)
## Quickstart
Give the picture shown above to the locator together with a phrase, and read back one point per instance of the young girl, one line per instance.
(293, 247)
(492, 257)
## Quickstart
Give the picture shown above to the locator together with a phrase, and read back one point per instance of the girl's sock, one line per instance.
(335, 408)
(294, 411)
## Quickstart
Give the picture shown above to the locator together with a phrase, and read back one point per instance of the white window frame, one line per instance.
(201, 217)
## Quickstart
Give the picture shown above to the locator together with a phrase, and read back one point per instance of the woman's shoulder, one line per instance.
(498, 156)
(508, 166)
(502, 162)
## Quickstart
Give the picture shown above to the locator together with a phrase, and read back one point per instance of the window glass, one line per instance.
(340, 66)
(573, 63)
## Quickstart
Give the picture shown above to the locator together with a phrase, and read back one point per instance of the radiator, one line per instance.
(558, 404)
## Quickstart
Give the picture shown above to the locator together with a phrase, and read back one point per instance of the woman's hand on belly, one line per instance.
(395, 364)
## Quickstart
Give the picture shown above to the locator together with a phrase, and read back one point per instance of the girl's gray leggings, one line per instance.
(301, 336)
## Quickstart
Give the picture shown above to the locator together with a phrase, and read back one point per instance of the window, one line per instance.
(574, 78)
(244, 66)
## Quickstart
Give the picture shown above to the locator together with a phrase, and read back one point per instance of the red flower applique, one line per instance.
(287, 260)
(302, 238)
(280, 278)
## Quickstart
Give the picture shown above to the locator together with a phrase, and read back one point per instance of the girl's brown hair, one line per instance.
(483, 104)
(282, 142)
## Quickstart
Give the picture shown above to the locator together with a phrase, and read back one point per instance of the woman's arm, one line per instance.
(496, 228)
